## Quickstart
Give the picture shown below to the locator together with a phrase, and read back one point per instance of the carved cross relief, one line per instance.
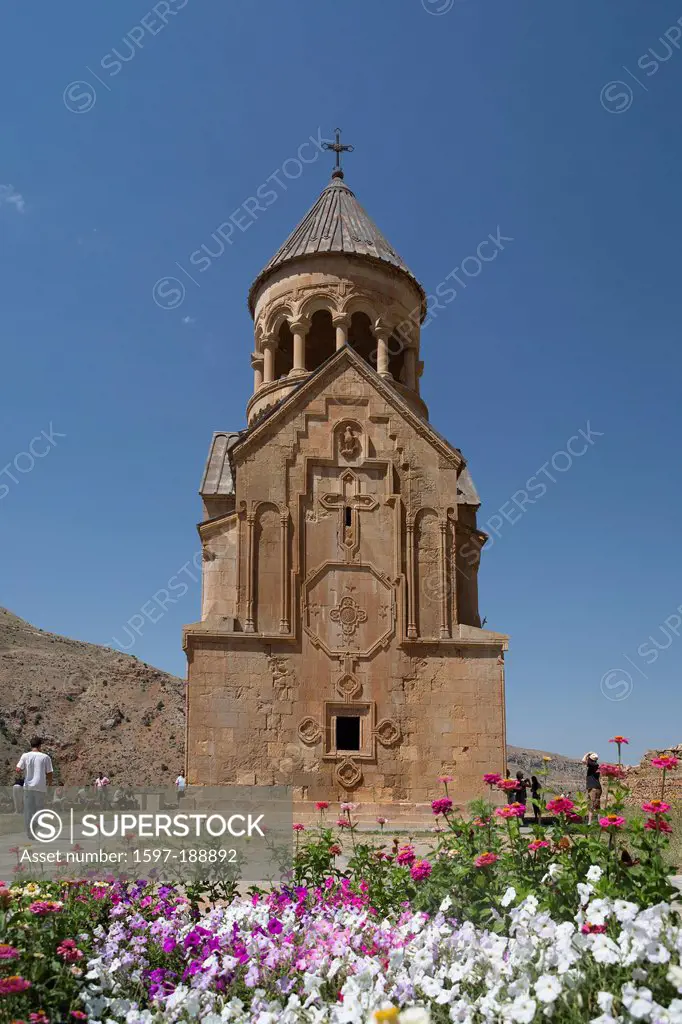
(349, 502)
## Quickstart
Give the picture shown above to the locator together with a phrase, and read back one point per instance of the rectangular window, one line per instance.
(348, 732)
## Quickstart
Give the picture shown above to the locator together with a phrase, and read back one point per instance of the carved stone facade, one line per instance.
(340, 648)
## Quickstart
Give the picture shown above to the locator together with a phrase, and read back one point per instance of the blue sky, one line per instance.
(468, 117)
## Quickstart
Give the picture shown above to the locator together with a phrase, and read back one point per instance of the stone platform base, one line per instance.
(403, 816)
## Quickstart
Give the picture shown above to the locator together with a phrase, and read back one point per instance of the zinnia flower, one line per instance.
(349, 807)
(612, 821)
(658, 825)
(420, 869)
(343, 823)
(42, 907)
(442, 806)
(507, 785)
(492, 778)
(445, 779)
(538, 844)
(8, 952)
(481, 822)
(381, 821)
(484, 859)
(656, 807)
(612, 771)
(298, 827)
(13, 985)
(561, 805)
(666, 761)
(39, 1018)
(405, 855)
(79, 1015)
(593, 929)
(619, 740)
(334, 850)
(515, 810)
(321, 805)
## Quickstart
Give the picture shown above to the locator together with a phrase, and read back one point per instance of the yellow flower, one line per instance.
(546, 758)
(389, 1014)
(31, 889)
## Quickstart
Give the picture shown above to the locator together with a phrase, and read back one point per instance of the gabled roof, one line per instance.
(336, 223)
(327, 370)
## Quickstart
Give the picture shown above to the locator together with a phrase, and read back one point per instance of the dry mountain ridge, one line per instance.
(97, 709)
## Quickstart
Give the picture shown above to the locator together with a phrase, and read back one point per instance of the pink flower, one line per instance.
(593, 929)
(612, 771)
(484, 859)
(321, 805)
(349, 807)
(492, 778)
(445, 779)
(442, 806)
(420, 869)
(507, 785)
(69, 951)
(298, 827)
(619, 740)
(381, 821)
(8, 952)
(39, 1018)
(42, 907)
(575, 818)
(538, 844)
(79, 1015)
(13, 985)
(656, 807)
(515, 810)
(406, 855)
(481, 822)
(343, 823)
(612, 821)
(562, 805)
(666, 761)
(658, 825)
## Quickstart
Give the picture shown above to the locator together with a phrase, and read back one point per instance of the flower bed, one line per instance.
(493, 923)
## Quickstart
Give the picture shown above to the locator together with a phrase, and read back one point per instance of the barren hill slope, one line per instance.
(96, 709)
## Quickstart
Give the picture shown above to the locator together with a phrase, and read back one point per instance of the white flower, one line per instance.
(414, 1015)
(674, 976)
(605, 950)
(522, 1010)
(547, 988)
(594, 873)
(625, 911)
(509, 896)
(605, 1001)
(445, 905)
(585, 890)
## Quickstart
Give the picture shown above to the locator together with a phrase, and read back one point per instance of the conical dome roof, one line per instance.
(336, 223)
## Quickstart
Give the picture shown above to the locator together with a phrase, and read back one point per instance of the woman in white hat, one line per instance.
(592, 784)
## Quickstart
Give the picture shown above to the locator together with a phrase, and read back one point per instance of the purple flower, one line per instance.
(169, 944)
(274, 926)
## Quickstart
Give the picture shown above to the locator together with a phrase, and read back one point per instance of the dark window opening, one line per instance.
(348, 515)
(348, 732)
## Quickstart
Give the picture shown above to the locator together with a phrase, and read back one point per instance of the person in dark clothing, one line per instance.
(521, 791)
(592, 784)
(536, 797)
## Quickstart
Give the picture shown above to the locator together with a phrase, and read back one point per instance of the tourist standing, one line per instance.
(18, 795)
(101, 783)
(521, 792)
(536, 797)
(180, 786)
(37, 771)
(592, 784)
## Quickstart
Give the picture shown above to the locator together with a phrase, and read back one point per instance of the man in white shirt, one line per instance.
(37, 771)
(180, 786)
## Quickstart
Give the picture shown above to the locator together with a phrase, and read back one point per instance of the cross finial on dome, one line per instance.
(338, 148)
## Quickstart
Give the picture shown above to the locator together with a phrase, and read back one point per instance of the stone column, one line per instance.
(299, 329)
(249, 625)
(444, 580)
(284, 530)
(411, 624)
(411, 368)
(257, 365)
(382, 335)
(269, 344)
(341, 322)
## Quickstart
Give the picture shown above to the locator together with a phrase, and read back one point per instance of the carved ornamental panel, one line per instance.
(349, 609)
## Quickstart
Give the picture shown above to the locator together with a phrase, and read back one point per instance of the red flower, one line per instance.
(562, 805)
(321, 805)
(334, 850)
(619, 740)
(298, 827)
(484, 859)
(593, 929)
(343, 823)
(612, 771)
(658, 825)
(442, 806)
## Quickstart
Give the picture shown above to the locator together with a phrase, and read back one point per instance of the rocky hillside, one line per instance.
(96, 709)
(565, 774)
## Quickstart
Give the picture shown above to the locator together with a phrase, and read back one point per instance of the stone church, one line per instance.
(340, 649)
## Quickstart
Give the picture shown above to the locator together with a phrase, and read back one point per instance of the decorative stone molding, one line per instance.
(349, 615)
(348, 773)
(348, 686)
(387, 732)
(310, 732)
